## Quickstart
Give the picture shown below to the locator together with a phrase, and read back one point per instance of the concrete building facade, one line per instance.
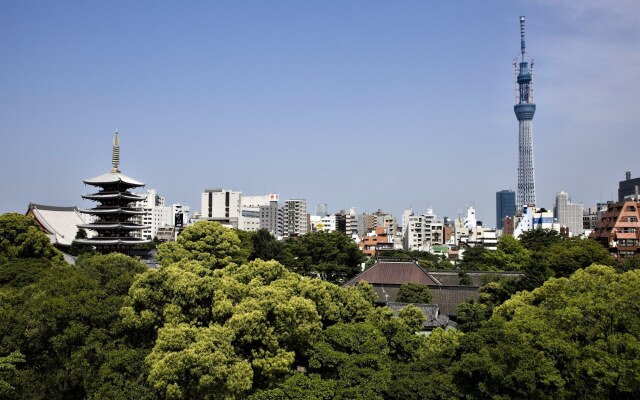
(569, 214)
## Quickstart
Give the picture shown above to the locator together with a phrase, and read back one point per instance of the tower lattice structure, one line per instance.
(524, 109)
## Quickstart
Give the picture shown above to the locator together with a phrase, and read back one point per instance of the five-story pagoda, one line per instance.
(115, 216)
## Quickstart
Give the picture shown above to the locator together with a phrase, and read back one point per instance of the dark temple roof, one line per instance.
(393, 273)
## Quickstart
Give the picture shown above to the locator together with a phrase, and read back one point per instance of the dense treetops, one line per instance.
(210, 324)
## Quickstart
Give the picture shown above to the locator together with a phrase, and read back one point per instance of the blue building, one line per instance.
(505, 206)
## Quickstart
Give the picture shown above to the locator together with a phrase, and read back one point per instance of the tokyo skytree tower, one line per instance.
(524, 109)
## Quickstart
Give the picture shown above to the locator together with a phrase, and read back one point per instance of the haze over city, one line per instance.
(366, 104)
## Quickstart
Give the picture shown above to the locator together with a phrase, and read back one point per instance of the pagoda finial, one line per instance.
(115, 158)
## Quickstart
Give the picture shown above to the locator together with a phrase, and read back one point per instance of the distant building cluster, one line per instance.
(123, 219)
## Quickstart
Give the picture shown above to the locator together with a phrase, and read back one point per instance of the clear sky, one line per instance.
(373, 104)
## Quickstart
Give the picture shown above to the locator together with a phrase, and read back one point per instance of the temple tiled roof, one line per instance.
(58, 223)
(393, 273)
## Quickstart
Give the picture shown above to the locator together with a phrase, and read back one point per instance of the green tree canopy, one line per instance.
(333, 256)
(575, 337)
(414, 293)
(254, 322)
(20, 237)
(207, 242)
(539, 239)
(63, 322)
(266, 247)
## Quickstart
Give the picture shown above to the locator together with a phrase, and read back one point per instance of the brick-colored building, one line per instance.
(619, 229)
(370, 244)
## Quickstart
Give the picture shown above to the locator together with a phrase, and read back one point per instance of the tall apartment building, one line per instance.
(421, 232)
(505, 206)
(569, 214)
(272, 218)
(355, 223)
(295, 217)
(386, 220)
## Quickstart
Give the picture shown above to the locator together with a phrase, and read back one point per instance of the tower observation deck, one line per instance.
(524, 109)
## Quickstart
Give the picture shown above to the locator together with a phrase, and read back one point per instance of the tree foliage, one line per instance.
(20, 237)
(414, 293)
(333, 256)
(208, 242)
(574, 337)
(266, 247)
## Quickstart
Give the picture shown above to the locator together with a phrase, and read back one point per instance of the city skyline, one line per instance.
(357, 104)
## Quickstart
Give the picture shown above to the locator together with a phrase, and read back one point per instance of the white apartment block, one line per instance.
(233, 209)
(421, 232)
(159, 215)
(569, 214)
(467, 231)
(535, 218)
(295, 217)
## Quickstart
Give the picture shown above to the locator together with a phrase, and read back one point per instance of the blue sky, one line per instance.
(353, 103)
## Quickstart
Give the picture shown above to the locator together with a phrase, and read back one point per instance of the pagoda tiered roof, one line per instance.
(113, 195)
(112, 242)
(113, 210)
(113, 177)
(100, 225)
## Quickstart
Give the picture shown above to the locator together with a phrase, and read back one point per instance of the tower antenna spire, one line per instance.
(115, 157)
(522, 44)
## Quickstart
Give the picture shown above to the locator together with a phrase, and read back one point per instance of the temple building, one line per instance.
(60, 224)
(113, 216)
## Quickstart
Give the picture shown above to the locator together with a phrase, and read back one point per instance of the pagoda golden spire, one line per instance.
(115, 158)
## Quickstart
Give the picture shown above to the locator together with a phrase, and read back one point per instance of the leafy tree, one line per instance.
(414, 293)
(333, 256)
(207, 242)
(254, 322)
(510, 255)
(573, 337)
(475, 259)
(265, 246)
(63, 321)
(539, 239)
(21, 272)
(471, 314)
(246, 244)
(567, 256)
(76, 248)
(7, 369)
(20, 237)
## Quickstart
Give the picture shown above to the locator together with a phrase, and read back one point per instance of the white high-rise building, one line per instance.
(569, 214)
(421, 232)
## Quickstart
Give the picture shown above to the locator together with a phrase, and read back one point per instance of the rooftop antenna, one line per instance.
(115, 158)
